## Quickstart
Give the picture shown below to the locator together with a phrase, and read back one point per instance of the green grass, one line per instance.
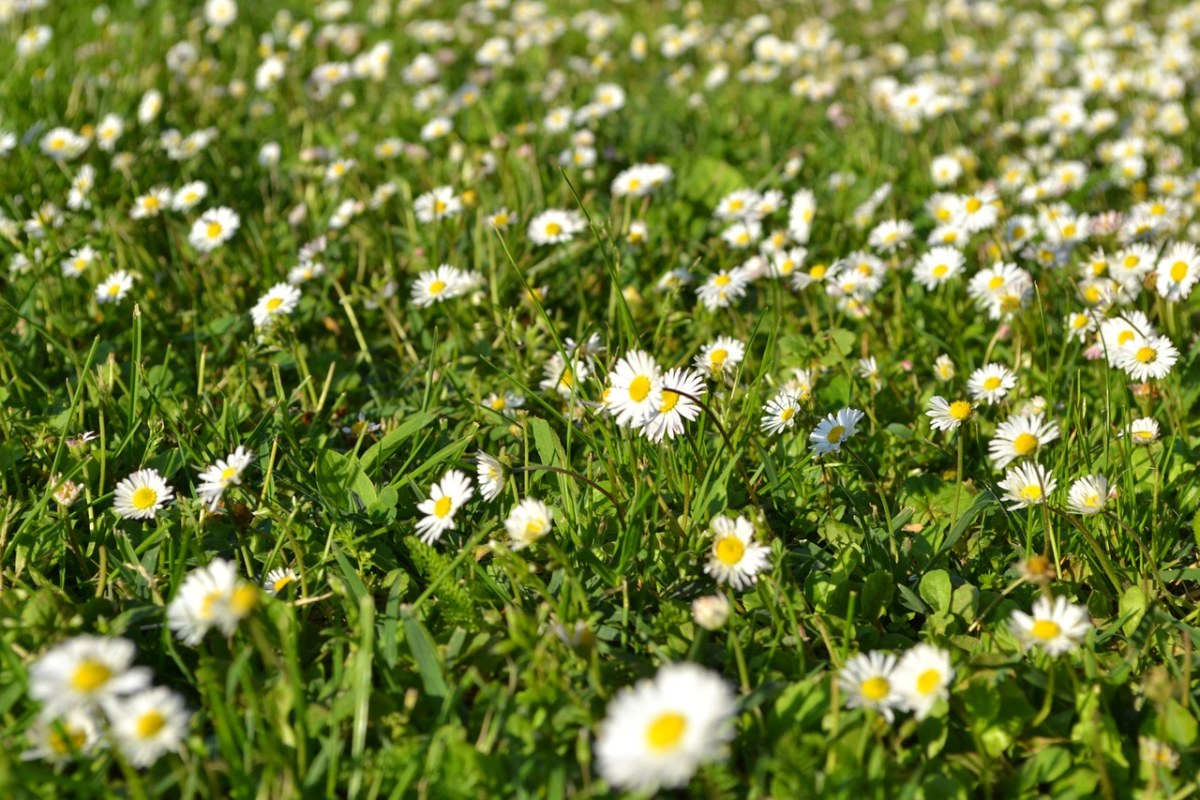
(399, 669)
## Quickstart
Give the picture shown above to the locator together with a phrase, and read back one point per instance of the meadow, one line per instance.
(575, 400)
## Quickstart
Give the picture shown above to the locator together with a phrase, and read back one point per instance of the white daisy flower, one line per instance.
(1020, 437)
(83, 672)
(211, 596)
(148, 724)
(114, 288)
(1027, 484)
(779, 414)
(736, 559)
(226, 472)
(1057, 627)
(834, 430)
(990, 383)
(923, 677)
(867, 681)
(528, 521)
(634, 389)
(446, 497)
(946, 416)
(1088, 495)
(214, 228)
(142, 495)
(280, 301)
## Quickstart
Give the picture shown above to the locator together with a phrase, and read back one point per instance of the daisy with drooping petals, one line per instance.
(923, 677)
(723, 288)
(446, 497)
(659, 732)
(867, 680)
(834, 430)
(492, 475)
(279, 579)
(280, 301)
(214, 228)
(1088, 495)
(148, 724)
(635, 389)
(946, 416)
(83, 672)
(736, 559)
(1027, 484)
(1056, 627)
(225, 473)
(990, 383)
(529, 521)
(142, 495)
(1020, 437)
(211, 596)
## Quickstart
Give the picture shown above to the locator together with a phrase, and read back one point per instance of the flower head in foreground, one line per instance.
(736, 559)
(445, 498)
(212, 596)
(148, 724)
(990, 383)
(834, 430)
(635, 389)
(1057, 627)
(83, 672)
(679, 387)
(1020, 437)
(1027, 484)
(57, 738)
(923, 677)
(214, 228)
(142, 495)
(660, 731)
(867, 680)
(225, 473)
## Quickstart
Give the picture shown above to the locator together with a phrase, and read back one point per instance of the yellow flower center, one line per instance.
(1032, 493)
(1045, 629)
(213, 230)
(666, 731)
(90, 675)
(282, 583)
(442, 507)
(942, 214)
(940, 271)
(553, 229)
(228, 473)
(973, 205)
(1124, 336)
(1092, 500)
(721, 280)
(1143, 436)
(437, 287)
(209, 603)
(1145, 354)
(149, 724)
(634, 184)
(62, 745)
(639, 388)
(1025, 444)
(669, 401)
(144, 498)
(960, 410)
(1179, 271)
(996, 282)
(1079, 321)
(439, 206)
(499, 404)
(1131, 261)
(817, 272)
(992, 383)
(876, 688)
(244, 599)
(718, 356)
(928, 681)
(786, 414)
(274, 303)
(729, 551)
(736, 205)
(835, 434)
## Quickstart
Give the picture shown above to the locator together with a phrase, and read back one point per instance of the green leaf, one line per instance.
(877, 591)
(381, 450)
(424, 654)
(1180, 724)
(936, 590)
(338, 476)
(1132, 608)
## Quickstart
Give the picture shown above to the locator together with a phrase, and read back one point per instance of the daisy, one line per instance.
(529, 521)
(943, 368)
(211, 596)
(436, 286)
(148, 724)
(736, 559)
(786, 262)
(1088, 495)
(563, 377)
(446, 497)
(502, 220)
(834, 430)
(1178, 271)
(889, 235)
(1150, 359)
(189, 195)
(779, 414)
(226, 472)
(739, 204)
(723, 288)
(978, 211)
(83, 672)
(1020, 437)
(719, 357)
(711, 612)
(990, 383)
(635, 389)
(1126, 331)
(938, 266)
(1057, 627)
(57, 739)
(679, 386)
(1144, 430)
(659, 732)
(279, 579)
(304, 272)
(1078, 325)
(214, 228)
(438, 204)
(1027, 484)
(142, 495)
(280, 301)
(114, 288)
(504, 403)
(492, 475)
(867, 680)
(77, 262)
(555, 226)
(923, 677)
(1152, 751)
(946, 416)
(800, 215)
